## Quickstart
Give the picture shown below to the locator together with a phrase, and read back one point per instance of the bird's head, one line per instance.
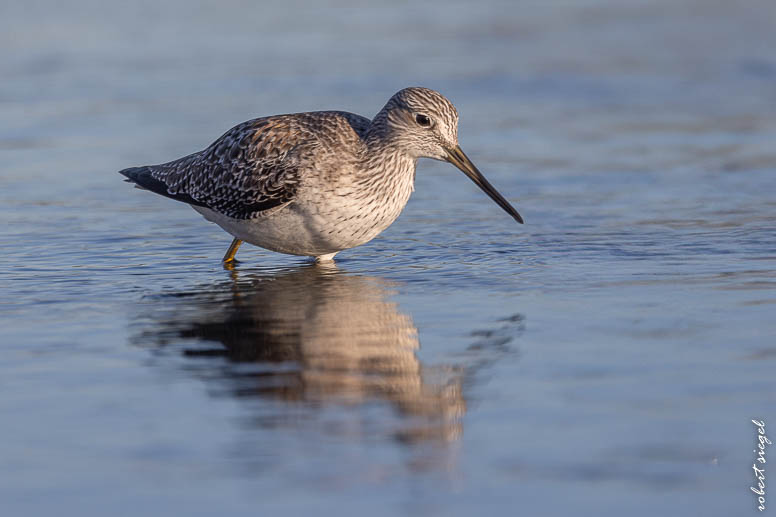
(424, 124)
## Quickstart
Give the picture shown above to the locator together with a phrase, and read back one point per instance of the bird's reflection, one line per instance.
(317, 336)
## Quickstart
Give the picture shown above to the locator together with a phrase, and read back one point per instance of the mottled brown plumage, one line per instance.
(315, 183)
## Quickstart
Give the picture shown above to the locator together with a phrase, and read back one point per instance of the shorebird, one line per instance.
(316, 183)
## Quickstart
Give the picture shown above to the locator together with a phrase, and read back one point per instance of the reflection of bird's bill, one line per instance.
(458, 158)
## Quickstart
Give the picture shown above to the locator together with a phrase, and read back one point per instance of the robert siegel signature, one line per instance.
(759, 473)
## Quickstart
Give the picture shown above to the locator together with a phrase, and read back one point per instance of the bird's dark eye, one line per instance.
(423, 120)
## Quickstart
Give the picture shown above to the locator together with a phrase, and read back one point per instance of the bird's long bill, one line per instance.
(459, 159)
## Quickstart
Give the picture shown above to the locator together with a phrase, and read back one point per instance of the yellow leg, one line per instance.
(232, 251)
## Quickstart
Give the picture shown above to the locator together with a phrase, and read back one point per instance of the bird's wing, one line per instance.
(252, 168)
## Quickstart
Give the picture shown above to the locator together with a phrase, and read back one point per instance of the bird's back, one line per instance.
(259, 164)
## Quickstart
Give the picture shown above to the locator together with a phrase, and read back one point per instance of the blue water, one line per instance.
(606, 358)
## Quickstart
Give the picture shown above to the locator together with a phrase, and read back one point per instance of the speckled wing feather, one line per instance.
(252, 168)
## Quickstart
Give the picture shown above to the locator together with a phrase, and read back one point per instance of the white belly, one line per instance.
(311, 230)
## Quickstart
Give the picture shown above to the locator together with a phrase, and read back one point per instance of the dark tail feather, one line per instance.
(141, 177)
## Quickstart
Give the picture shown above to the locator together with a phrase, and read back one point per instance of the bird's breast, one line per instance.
(356, 208)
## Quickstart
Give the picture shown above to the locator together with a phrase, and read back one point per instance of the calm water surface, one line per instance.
(606, 358)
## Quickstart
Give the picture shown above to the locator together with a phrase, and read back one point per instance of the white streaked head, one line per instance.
(423, 122)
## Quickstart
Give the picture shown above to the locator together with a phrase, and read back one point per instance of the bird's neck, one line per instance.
(384, 164)
(385, 150)
(386, 170)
